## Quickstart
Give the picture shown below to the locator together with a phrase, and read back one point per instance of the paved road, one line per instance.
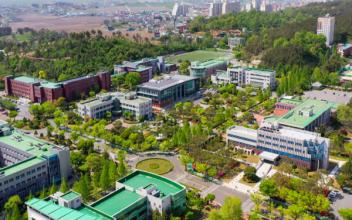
(178, 174)
(345, 202)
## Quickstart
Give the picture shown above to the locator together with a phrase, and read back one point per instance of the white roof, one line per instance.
(268, 156)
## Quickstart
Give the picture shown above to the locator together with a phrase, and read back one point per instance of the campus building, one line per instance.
(145, 67)
(235, 41)
(168, 90)
(38, 90)
(28, 164)
(207, 68)
(306, 114)
(306, 149)
(345, 50)
(134, 198)
(246, 76)
(326, 27)
(116, 103)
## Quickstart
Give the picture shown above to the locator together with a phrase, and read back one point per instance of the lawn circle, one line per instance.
(158, 166)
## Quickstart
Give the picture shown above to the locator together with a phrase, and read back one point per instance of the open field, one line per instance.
(155, 165)
(199, 55)
(69, 24)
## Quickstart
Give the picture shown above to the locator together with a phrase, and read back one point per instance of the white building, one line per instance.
(215, 9)
(306, 149)
(180, 9)
(256, 5)
(230, 7)
(246, 76)
(116, 103)
(326, 27)
(265, 6)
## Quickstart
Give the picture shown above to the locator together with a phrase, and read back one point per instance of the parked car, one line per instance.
(347, 190)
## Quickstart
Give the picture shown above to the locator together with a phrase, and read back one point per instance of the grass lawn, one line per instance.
(155, 165)
(198, 55)
(19, 37)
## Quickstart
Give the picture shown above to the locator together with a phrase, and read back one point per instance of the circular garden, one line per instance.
(155, 165)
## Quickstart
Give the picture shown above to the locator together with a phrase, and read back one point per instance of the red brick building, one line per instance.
(41, 90)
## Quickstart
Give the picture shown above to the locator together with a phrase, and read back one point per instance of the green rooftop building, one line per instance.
(134, 198)
(28, 164)
(207, 68)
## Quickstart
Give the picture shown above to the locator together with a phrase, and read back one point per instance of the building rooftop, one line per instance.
(166, 82)
(247, 132)
(43, 83)
(14, 168)
(117, 201)
(263, 72)
(29, 144)
(55, 211)
(305, 113)
(333, 96)
(208, 64)
(71, 195)
(142, 179)
(290, 100)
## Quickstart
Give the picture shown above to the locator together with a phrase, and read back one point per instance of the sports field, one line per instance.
(198, 55)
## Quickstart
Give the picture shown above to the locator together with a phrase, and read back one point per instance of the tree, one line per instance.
(52, 189)
(122, 166)
(344, 114)
(13, 114)
(12, 202)
(268, 187)
(42, 74)
(184, 67)
(230, 210)
(64, 186)
(82, 187)
(250, 175)
(209, 198)
(104, 177)
(295, 211)
(346, 214)
(86, 146)
(132, 79)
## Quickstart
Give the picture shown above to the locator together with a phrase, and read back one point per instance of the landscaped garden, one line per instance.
(155, 165)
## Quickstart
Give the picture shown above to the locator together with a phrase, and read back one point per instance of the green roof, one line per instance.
(70, 196)
(291, 101)
(209, 63)
(142, 179)
(14, 168)
(27, 79)
(29, 144)
(263, 72)
(116, 202)
(55, 211)
(43, 83)
(299, 117)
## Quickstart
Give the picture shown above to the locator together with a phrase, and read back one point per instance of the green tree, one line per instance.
(346, 214)
(104, 177)
(184, 67)
(230, 210)
(268, 187)
(64, 186)
(295, 211)
(121, 166)
(132, 79)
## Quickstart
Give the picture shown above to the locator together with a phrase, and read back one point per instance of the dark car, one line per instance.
(347, 190)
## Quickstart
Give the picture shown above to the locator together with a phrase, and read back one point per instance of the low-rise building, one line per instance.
(243, 76)
(134, 198)
(145, 67)
(235, 41)
(345, 50)
(207, 68)
(306, 149)
(116, 103)
(333, 96)
(38, 90)
(28, 164)
(168, 90)
(307, 115)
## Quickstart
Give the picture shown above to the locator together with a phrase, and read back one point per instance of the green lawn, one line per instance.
(19, 37)
(199, 55)
(155, 165)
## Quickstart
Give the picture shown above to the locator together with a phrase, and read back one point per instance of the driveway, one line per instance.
(345, 202)
(205, 187)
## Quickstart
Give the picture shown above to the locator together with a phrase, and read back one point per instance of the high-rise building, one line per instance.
(215, 8)
(180, 9)
(230, 7)
(326, 27)
(256, 5)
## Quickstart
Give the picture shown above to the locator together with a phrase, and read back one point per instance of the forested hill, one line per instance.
(63, 56)
(288, 21)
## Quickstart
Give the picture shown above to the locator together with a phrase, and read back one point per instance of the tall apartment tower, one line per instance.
(215, 8)
(230, 7)
(326, 27)
(256, 5)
